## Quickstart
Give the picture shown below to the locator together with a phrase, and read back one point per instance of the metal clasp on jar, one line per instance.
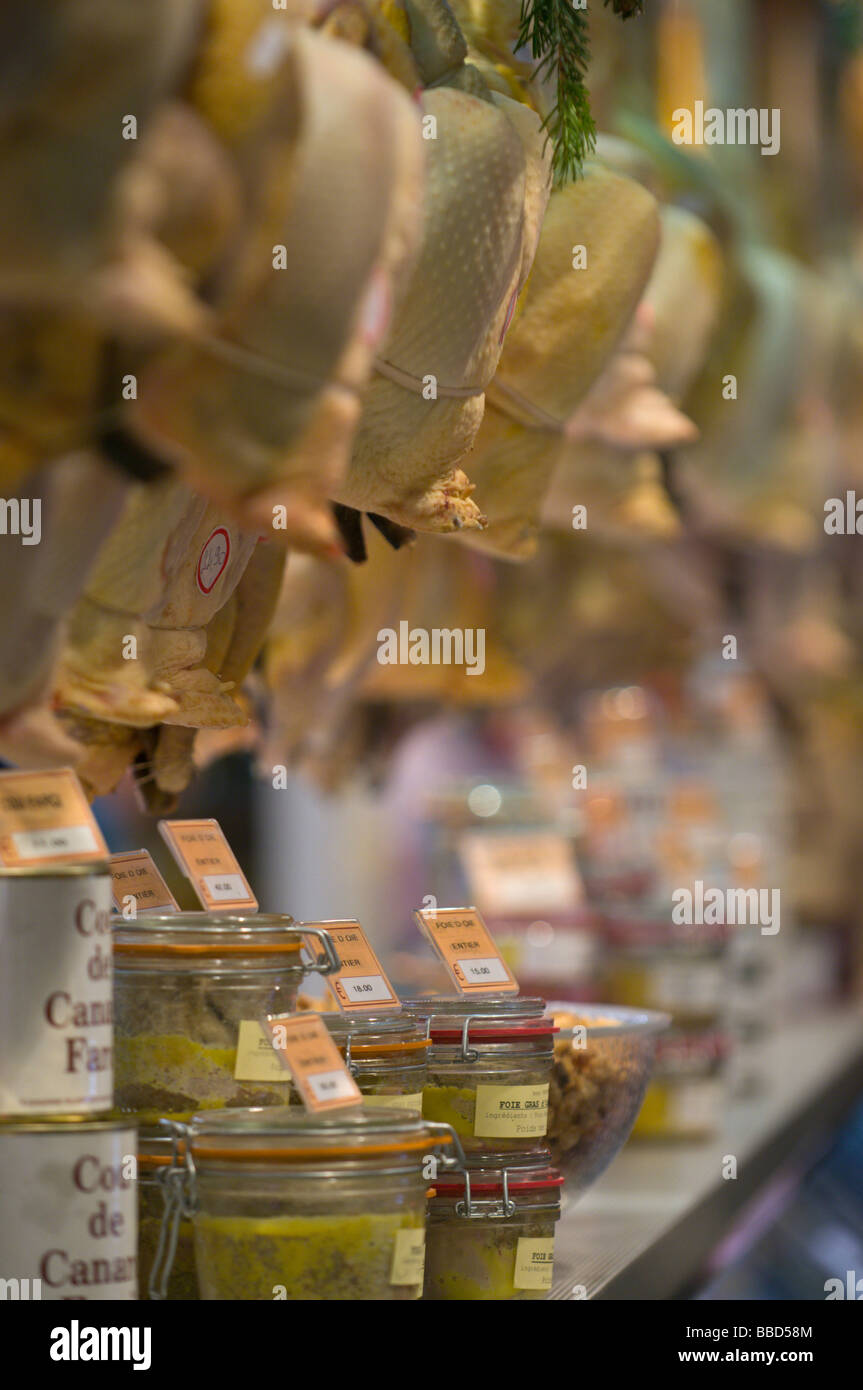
(447, 1161)
(505, 1208)
(468, 1053)
(178, 1182)
(327, 964)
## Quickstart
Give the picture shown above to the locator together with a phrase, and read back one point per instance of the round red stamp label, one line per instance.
(213, 558)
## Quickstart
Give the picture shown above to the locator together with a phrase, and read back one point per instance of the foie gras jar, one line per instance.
(386, 1053)
(158, 1150)
(285, 1205)
(489, 1069)
(191, 990)
(69, 1224)
(491, 1229)
(56, 1005)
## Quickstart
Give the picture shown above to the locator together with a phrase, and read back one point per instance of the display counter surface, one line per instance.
(655, 1223)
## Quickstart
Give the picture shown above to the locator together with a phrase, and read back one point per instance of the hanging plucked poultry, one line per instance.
(598, 244)
(79, 499)
(175, 248)
(487, 184)
(260, 412)
(609, 461)
(172, 618)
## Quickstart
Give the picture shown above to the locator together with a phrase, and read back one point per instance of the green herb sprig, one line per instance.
(556, 33)
(557, 37)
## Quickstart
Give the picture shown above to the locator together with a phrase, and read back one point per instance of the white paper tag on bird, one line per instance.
(45, 818)
(207, 860)
(137, 886)
(464, 944)
(362, 981)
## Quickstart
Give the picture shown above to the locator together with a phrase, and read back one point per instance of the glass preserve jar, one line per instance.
(156, 1157)
(687, 1092)
(489, 1069)
(652, 966)
(190, 991)
(387, 1055)
(491, 1230)
(291, 1206)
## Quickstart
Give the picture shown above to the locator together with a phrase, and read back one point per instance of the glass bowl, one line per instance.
(603, 1058)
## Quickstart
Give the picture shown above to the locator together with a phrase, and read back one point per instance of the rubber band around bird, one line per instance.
(502, 397)
(418, 385)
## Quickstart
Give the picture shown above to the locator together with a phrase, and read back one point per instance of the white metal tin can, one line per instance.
(69, 1226)
(56, 988)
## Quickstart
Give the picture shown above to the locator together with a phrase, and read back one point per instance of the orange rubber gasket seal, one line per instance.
(154, 1160)
(239, 1154)
(374, 1049)
(180, 948)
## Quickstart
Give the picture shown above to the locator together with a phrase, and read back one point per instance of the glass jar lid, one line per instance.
(379, 1035)
(206, 934)
(157, 1148)
(290, 1135)
(493, 1182)
(493, 1018)
(457, 1006)
(498, 1185)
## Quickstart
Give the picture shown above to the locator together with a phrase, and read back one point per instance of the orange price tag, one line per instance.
(206, 858)
(529, 872)
(314, 1062)
(362, 982)
(134, 875)
(45, 818)
(464, 944)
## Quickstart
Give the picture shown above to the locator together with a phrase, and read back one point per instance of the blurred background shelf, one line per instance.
(664, 1221)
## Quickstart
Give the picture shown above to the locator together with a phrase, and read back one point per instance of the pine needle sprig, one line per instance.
(556, 33)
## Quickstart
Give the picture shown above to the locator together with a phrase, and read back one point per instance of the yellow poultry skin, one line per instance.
(609, 463)
(320, 660)
(235, 636)
(80, 500)
(566, 327)
(487, 184)
(164, 755)
(71, 72)
(447, 588)
(169, 565)
(760, 468)
(322, 639)
(685, 295)
(261, 413)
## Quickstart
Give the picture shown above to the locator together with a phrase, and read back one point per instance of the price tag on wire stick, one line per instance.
(207, 860)
(362, 982)
(45, 818)
(134, 877)
(317, 1068)
(464, 944)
